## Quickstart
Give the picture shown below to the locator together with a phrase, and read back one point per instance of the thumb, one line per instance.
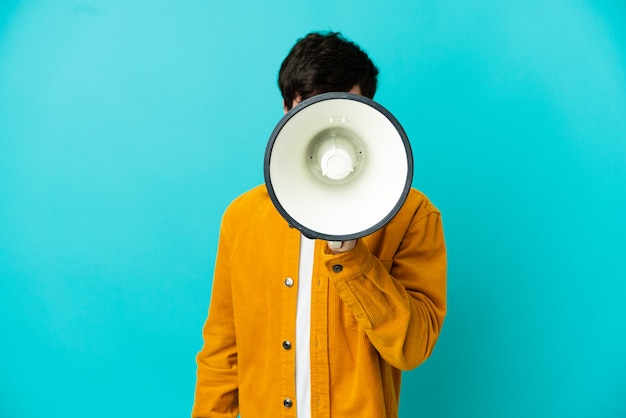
(341, 246)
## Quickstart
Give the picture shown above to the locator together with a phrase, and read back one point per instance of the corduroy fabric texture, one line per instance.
(377, 314)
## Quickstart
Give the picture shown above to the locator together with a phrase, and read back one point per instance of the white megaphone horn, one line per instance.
(338, 166)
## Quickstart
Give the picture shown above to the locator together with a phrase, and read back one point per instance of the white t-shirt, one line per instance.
(303, 328)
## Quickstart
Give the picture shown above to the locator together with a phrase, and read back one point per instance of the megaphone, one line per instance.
(338, 166)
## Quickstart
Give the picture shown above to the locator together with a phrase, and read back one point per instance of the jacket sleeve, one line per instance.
(399, 302)
(216, 392)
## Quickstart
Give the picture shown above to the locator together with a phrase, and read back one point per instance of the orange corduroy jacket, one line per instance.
(375, 311)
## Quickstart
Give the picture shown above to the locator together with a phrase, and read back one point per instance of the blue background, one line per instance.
(127, 127)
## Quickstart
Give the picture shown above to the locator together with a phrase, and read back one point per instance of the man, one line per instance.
(298, 329)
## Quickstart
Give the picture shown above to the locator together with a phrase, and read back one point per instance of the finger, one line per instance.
(335, 245)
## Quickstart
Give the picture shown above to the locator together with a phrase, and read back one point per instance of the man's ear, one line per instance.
(297, 99)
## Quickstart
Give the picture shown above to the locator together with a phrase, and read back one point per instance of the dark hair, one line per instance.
(325, 62)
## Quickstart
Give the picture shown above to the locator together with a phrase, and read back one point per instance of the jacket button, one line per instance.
(337, 268)
(287, 345)
(288, 403)
(288, 282)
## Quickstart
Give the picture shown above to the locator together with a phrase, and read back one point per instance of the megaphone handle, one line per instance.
(335, 245)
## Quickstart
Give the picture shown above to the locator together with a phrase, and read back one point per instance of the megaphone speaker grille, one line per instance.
(338, 166)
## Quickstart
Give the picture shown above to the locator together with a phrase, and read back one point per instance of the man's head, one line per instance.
(325, 62)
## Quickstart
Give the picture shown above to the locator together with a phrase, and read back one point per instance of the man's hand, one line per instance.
(341, 246)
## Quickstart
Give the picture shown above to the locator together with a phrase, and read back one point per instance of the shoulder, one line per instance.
(416, 219)
(418, 205)
(416, 210)
(252, 208)
(253, 197)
